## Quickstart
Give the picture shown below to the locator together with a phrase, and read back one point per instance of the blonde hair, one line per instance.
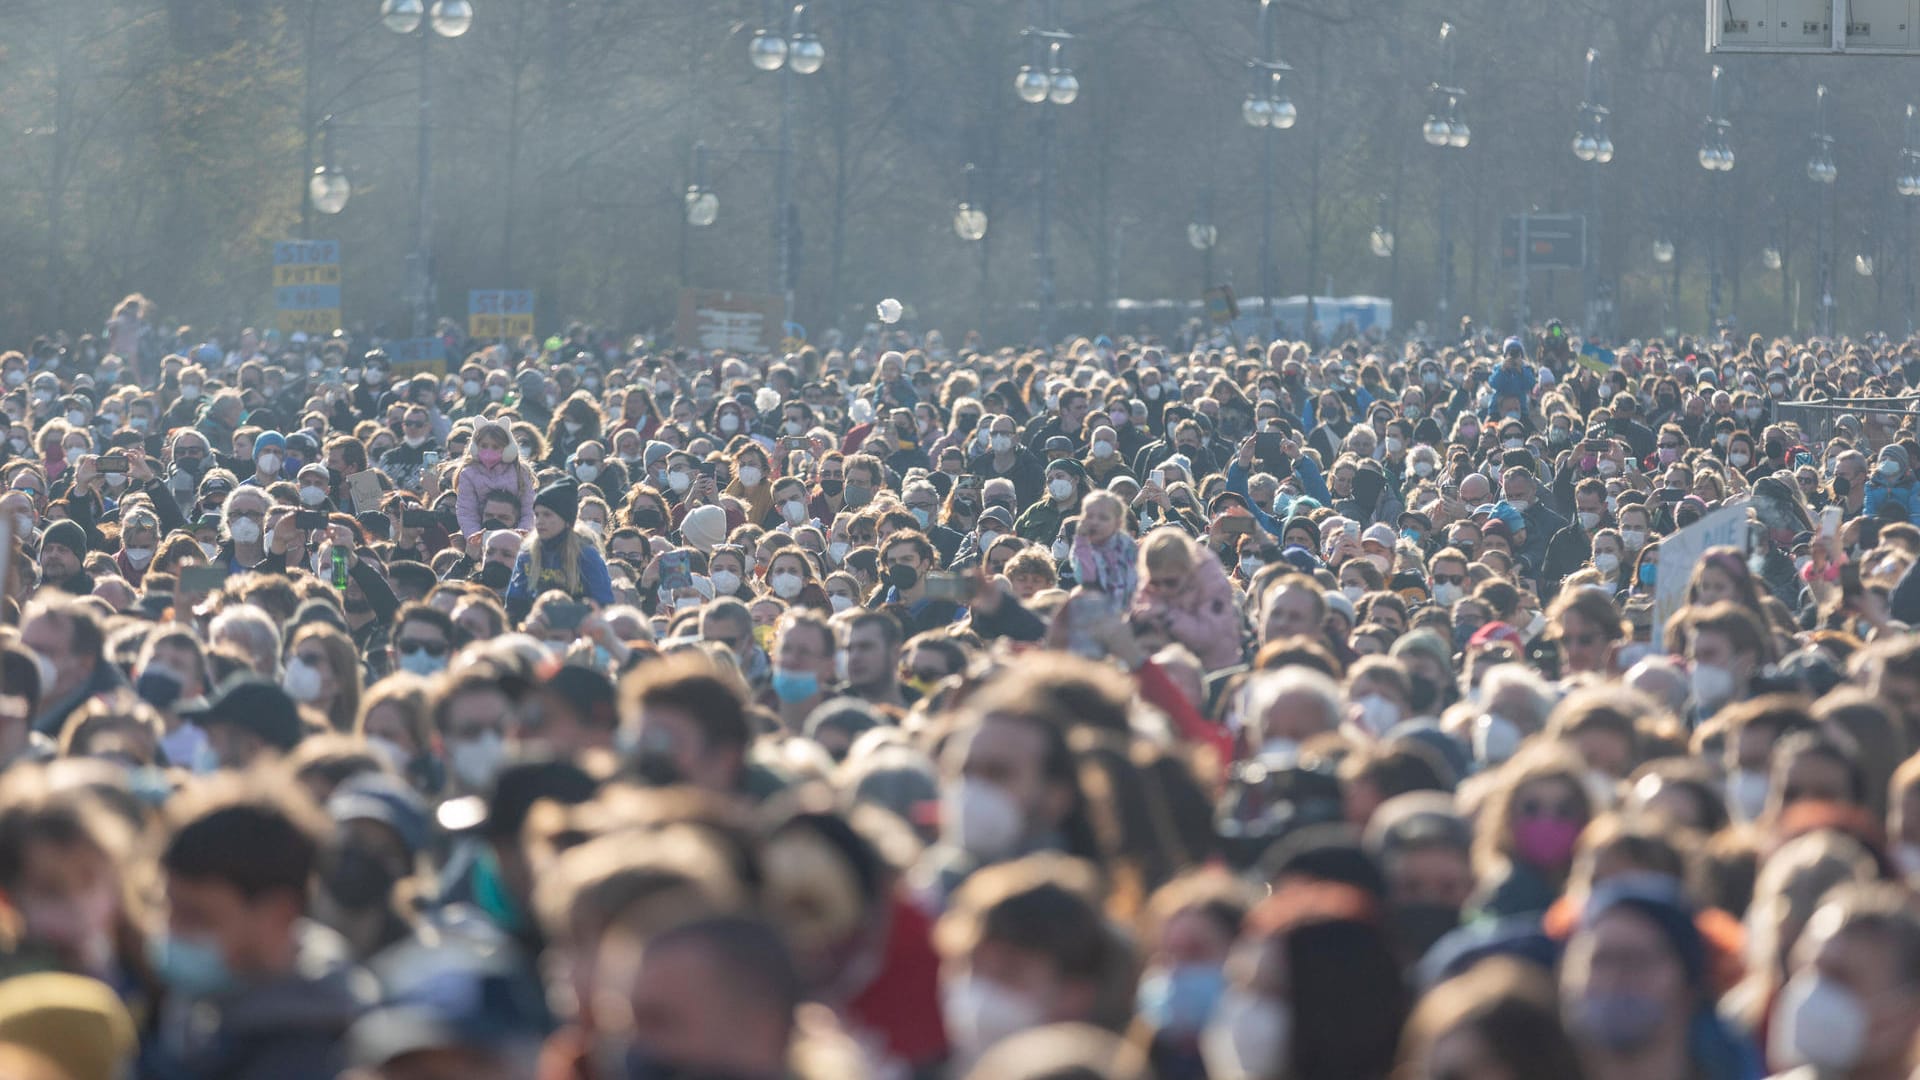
(1166, 548)
(1103, 496)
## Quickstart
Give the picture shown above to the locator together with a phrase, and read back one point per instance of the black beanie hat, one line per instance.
(563, 498)
(67, 534)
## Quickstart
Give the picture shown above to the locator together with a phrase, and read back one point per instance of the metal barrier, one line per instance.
(1815, 418)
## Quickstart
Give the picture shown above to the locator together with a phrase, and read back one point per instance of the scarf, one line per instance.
(1111, 566)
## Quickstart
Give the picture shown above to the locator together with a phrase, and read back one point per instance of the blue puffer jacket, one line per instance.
(1905, 495)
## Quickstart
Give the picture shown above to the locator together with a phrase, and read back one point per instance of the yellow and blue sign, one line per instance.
(499, 313)
(306, 285)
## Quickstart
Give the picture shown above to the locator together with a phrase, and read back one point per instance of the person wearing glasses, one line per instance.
(422, 639)
(405, 463)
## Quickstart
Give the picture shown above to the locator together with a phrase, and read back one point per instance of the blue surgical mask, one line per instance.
(792, 686)
(422, 663)
(195, 968)
(1646, 573)
(1180, 999)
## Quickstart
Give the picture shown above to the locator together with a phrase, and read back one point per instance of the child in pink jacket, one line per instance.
(1184, 589)
(492, 464)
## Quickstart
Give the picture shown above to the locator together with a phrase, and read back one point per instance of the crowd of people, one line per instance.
(598, 709)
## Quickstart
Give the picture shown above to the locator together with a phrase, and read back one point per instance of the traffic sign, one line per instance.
(1554, 241)
(715, 320)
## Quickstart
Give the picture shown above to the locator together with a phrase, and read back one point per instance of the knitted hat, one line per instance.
(1069, 466)
(704, 527)
(1896, 452)
(563, 498)
(269, 440)
(1658, 900)
(654, 452)
(1338, 603)
(67, 534)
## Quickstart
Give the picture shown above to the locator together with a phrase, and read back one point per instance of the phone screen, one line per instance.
(946, 585)
(674, 571)
(201, 578)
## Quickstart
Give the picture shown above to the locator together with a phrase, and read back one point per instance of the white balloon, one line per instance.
(890, 311)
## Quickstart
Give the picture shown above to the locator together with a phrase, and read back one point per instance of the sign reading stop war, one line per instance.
(1681, 552)
(715, 320)
(306, 285)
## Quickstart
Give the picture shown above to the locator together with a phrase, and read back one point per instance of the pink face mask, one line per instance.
(488, 458)
(1546, 842)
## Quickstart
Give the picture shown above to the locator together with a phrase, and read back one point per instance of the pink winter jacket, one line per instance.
(476, 480)
(1202, 615)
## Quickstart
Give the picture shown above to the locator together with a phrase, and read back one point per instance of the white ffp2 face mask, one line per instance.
(1817, 1022)
(981, 819)
(1247, 1038)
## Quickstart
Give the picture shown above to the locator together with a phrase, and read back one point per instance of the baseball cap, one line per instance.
(385, 799)
(253, 705)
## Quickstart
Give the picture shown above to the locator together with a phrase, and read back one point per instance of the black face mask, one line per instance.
(830, 487)
(1422, 693)
(902, 577)
(1414, 928)
(495, 524)
(358, 880)
(495, 576)
(656, 768)
(646, 517)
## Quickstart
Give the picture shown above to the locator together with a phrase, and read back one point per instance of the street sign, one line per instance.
(306, 285)
(1825, 27)
(499, 313)
(412, 356)
(1554, 241)
(716, 320)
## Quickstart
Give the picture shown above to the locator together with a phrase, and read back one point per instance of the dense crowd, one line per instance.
(595, 708)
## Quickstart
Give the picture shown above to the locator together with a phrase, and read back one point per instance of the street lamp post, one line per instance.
(1267, 106)
(797, 51)
(1045, 81)
(1202, 235)
(1907, 183)
(1592, 145)
(970, 222)
(700, 206)
(447, 19)
(1445, 128)
(328, 189)
(1716, 156)
(1822, 170)
(1380, 240)
(1667, 255)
